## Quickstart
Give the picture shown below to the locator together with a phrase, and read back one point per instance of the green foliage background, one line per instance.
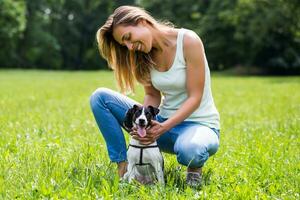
(60, 34)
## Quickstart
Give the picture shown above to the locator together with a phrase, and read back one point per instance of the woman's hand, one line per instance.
(156, 130)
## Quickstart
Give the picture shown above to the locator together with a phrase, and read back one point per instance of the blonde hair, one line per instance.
(128, 65)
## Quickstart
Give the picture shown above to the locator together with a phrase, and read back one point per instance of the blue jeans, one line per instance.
(192, 142)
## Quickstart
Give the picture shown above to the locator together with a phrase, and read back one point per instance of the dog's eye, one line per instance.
(138, 112)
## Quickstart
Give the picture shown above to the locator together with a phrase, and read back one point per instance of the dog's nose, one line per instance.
(142, 121)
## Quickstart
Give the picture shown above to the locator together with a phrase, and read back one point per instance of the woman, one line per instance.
(171, 65)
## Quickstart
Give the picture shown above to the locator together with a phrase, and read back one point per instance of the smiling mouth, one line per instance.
(138, 47)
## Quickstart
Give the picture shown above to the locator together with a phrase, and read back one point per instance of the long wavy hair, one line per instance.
(128, 65)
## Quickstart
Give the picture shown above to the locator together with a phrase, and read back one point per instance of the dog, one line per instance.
(145, 162)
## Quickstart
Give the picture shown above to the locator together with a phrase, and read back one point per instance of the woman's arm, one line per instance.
(152, 96)
(195, 77)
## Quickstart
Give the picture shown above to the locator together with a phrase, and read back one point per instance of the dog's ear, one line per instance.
(135, 107)
(129, 117)
(127, 123)
(154, 111)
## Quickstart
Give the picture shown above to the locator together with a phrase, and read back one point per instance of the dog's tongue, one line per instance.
(141, 131)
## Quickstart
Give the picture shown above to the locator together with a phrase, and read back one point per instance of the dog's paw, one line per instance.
(125, 177)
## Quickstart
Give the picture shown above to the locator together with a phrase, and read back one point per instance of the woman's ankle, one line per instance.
(122, 168)
(194, 170)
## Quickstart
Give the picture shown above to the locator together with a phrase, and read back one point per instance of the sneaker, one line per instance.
(193, 179)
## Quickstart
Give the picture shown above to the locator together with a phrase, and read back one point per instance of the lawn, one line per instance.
(50, 146)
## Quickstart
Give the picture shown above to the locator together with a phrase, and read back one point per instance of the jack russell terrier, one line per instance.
(145, 162)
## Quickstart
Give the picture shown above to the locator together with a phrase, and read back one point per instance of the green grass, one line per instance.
(50, 146)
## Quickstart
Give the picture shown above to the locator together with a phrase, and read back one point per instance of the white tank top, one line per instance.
(172, 85)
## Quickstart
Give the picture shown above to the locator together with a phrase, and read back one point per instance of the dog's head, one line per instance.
(140, 117)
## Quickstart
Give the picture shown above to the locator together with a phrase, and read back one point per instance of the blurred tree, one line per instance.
(217, 32)
(12, 23)
(74, 25)
(39, 48)
(268, 33)
(181, 13)
(60, 34)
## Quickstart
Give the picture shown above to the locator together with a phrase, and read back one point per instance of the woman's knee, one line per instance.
(97, 97)
(191, 154)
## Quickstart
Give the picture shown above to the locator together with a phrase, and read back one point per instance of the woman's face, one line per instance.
(135, 37)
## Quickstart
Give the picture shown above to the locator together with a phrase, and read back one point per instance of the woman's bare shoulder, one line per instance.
(192, 44)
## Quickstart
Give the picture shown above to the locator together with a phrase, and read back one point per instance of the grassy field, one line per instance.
(50, 146)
